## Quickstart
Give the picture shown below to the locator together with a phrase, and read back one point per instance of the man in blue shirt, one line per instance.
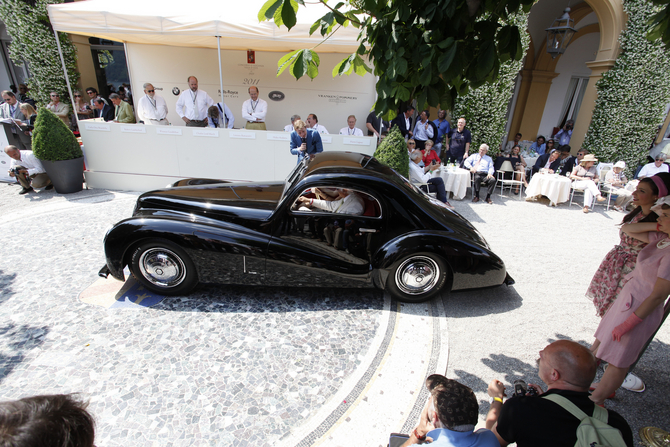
(481, 166)
(443, 128)
(305, 142)
(450, 417)
(563, 136)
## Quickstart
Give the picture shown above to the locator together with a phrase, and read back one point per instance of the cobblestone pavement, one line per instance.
(279, 366)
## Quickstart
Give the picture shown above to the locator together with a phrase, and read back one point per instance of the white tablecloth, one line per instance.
(553, 186)
(455, 181)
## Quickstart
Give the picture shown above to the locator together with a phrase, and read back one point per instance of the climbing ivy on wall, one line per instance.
(485, 108)
(33, 41)
(632, 95)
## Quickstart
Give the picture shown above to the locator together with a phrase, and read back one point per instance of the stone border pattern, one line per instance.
(342, 408)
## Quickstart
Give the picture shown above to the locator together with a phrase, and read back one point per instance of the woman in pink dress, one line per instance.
(638, 309)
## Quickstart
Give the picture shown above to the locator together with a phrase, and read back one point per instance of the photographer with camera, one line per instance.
(27, 169)
(568, 369)
(450, 416)
(563, 136)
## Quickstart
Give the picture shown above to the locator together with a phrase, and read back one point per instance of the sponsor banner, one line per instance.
(134, 129)
(244, 134)
(285, 136)
(98, 127)
(205, 133)
(167, 130)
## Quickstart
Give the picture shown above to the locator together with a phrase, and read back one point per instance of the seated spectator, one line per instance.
(511, 144)
(654, 168)
(567, 368)
(572, 160)
(59, 420)
(289, 127)
(103, 110)
(539, 146)
(616, 180)
(92, 93)
(351, 128)
(519, 165)
(313, 123)
(450, 416)
(123, 113)
(482, 169)
(216, 117)
(411, 146)
(346, 202)
(417, 174)
(83, 108)
(550, 162)
(31, 174)
(550, 146)
(585, 177)
(61, 109)
(565, 166)
(429, 155)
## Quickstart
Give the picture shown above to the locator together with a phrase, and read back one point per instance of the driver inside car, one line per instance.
(345, 202)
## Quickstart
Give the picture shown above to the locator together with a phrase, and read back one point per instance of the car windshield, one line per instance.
(294, 176)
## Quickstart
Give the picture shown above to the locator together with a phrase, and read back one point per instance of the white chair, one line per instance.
(427, 190)
(507, 168)
(605, 188)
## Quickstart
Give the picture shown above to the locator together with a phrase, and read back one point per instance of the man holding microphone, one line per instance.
(305, 142)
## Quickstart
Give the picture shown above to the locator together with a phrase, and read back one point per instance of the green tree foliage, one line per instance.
(52, 140)
(485, 108)
(428, 50)
(631, 95)
(660, 23)
(33, 41)
(392, 151)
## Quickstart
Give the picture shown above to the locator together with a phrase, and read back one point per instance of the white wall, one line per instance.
(572, 63)
(332, 100)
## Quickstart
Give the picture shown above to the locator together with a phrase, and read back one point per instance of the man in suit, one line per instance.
(404, 121)
(572, 161)
(305, 142)
(12, 109)
(123, 113)
(103, 110)
(549, 161)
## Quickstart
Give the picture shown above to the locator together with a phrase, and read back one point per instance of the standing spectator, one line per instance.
(351, 128)
(289, 127)
(254, 110)
(404, 121)
(482, 170)
(376, 125)
(458, 142)
(539, 146)
(61, 109)
(423, 130)
(511, 144)
(12, 107)
(220, 116)
(443, 128)
(563, 136)
(305, 142)
(193, 103)
(123, 113)
(23, 95)
(152, 108)
(654, 168)
(313, 123)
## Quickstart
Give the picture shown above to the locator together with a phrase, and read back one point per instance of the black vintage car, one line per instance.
(395, 238)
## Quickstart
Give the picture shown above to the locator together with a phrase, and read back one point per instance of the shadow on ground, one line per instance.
(16, 342)
(475, 303)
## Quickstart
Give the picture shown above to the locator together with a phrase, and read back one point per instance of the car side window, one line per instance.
(329, 200)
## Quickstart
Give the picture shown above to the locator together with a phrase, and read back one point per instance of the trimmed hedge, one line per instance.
(52, 140)
(392, 151)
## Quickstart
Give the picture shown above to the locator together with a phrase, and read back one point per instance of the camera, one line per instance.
(522, 389)
(16, 171)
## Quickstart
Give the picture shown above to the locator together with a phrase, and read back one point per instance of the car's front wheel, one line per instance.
(417, 278)
(163, 267)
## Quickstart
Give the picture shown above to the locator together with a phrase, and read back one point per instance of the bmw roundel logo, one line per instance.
(176, 91)
(276, 96)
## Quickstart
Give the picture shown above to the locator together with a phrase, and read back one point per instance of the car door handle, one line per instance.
(367, 230)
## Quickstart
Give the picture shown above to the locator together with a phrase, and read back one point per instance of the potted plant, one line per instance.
(58, 150)
(392, 151)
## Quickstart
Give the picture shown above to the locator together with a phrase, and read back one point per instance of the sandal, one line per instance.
(585, 209)
(633, 383)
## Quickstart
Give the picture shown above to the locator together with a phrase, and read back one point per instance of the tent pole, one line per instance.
(218, 47)
(67, 78)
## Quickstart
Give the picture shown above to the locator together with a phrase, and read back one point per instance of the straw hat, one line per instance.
(587, 158)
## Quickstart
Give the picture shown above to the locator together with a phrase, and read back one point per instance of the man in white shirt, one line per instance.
(351, 128)
(289, 127)
(511, 144)
(481, 167)
(313, 123)
(346, 202)
(27, 169)
(418, 174)
(654, 168)
(254, 110)
(423, 130)
(192, 104)
(151, 108)
(220, 116)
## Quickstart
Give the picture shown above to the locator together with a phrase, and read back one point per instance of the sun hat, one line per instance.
(658, 206)
(620, 164)
(587, 158)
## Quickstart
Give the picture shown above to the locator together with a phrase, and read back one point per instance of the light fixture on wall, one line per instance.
(560, 34)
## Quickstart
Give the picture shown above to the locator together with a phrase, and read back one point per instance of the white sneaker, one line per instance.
(633, 383)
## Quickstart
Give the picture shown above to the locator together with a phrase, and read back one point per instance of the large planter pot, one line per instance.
(66, 175)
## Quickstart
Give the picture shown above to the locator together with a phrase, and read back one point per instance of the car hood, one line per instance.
(219, 201)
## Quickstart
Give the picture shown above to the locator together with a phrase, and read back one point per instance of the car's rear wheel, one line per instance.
(163, 267)
(417, 278)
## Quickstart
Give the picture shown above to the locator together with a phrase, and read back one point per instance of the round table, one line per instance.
(456, 180)
(553, 186)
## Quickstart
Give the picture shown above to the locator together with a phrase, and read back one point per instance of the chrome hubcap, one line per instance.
(162, 267)
(417, 275)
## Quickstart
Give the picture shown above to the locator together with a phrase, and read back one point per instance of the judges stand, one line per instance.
(14, 133)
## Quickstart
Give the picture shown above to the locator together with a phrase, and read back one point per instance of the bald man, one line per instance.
(567, 368)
